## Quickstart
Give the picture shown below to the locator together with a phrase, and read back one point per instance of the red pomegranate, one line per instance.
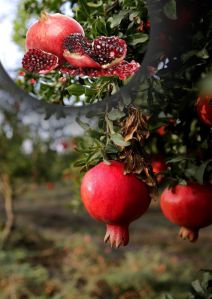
(114, 198)
(204, 109)
(189, 206)
(158, 166)
(49, 32)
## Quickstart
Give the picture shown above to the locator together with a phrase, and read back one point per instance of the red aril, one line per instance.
(78, 52)
(114, 198)
(104, 52)
(49, 32)
(38, 61)
(204, 109)
(189, 206)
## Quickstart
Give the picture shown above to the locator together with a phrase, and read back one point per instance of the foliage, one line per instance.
(165, 95)
(122, 18)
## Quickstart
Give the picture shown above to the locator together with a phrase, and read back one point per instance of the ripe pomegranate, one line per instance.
(158, 166)
(103, 52)
(122, 70)
(37, 61)
(204, 109)
(188, 206)
(48, 33)
(115, 199)
(78, 52)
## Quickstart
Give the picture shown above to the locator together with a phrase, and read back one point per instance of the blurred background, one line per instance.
(50, 248)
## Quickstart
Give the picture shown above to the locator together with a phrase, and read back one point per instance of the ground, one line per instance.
(55, 253)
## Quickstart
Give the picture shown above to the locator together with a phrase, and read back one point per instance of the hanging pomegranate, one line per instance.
(204, 109)
(114, 198)
(189, 206)
(158, 166)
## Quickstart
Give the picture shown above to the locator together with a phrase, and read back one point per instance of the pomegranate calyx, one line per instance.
(44, 16)
(189, 234)
(117, 235)
(38, 61)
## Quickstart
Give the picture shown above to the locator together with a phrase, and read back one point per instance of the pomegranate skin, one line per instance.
(204, 109)
(114, 198)
(49, 32)
(189, 207)
(158, 166)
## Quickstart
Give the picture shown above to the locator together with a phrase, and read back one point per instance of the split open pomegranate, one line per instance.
(37, 61)
(103, 52)
(49, 32)
(56, 39)
(115, 199)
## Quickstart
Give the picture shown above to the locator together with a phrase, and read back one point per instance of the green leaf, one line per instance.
(94, 5)
(201, 171)
(117, 19)
(119, 140)
(111, 149)
(203, 54)
(137, 38)
(82, 124)
(177, 159)
(115, 114)
(170, 10)
(197, 287)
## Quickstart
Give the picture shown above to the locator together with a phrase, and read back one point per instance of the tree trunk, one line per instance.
(6, 190)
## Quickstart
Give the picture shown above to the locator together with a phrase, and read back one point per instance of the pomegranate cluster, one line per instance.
(58, 42)
(117, 199)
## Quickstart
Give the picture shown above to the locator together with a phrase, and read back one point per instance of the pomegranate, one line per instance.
(78, 52)
(204, 109)
(115, 199)
(158, 166)
(49, 32)
(122, 70)
(37, 61)
(188, 206)
(103, 52)
(109, 51)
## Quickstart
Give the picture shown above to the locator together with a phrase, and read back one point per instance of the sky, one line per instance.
(10, 53)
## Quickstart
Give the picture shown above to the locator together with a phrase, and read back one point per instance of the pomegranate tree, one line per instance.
(189, 206)
(114, 198)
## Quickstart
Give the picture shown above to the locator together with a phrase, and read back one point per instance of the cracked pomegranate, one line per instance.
(49, 32)
(204, 109)
(188, 206)
(78, 52)
(115, 199)
(103, 52)
(122, 70)
(37, 61)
